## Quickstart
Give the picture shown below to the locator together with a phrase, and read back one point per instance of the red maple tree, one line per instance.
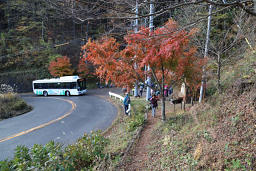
(166, 50)
(85, 69)
(60, 67)
(168, 53)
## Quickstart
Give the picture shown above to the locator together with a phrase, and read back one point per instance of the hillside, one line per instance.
(218, 134)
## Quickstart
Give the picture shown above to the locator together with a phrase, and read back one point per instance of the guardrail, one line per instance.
(116, 96)
(121, 98)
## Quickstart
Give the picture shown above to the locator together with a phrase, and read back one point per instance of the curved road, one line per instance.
(58, 118)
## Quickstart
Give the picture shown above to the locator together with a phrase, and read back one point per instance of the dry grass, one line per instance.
(120, 133)
(12, 105)
(210, 136)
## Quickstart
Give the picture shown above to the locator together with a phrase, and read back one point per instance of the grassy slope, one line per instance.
(217, 135)
(12, 105)
(121, 133)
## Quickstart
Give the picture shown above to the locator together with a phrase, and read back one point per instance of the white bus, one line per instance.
(68, 85)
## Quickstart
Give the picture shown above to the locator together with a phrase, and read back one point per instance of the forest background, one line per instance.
(36, 32)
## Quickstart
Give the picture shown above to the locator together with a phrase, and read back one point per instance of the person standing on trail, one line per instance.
(165, 90)
(126, 103)
(141, 89)
(170, 91)
(154, 104)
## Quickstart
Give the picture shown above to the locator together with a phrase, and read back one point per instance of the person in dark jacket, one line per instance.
(154, 104)
(126, 103)
(141, 89)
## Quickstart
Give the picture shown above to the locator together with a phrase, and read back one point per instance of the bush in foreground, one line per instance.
(52, 156)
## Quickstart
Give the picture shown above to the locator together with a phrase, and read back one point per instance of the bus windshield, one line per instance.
(81, 84)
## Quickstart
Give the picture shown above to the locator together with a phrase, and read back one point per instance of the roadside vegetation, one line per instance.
(11, 104)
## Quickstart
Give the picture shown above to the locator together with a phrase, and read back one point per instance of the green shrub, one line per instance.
(19, 105)
(211, 88)
(235, 164)
(135, 122)
(22, 159)
(177, 122)
(5, 112)
(5, 165)
(85, 151)
(52, 156)
(138, 106)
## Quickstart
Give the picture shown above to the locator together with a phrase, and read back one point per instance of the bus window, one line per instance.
(44, 85)
(36, 86)
(53, 86)
(73, 85)
(81, 84)
(66, 85)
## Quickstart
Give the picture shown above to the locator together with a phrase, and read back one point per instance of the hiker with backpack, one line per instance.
(153, 101)
(127, 102)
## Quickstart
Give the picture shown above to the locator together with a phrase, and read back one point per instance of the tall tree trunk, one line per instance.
(163, 109)
(163, 98)
(206, 53)
(192, 100)
(136, 30)
(218, 73)
(151, 26)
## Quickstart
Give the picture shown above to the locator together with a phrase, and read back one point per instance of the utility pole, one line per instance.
(206, 53)
(136, 30)
(151, 26)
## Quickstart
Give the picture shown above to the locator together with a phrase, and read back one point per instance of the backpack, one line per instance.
(153, 102)
(128, 100)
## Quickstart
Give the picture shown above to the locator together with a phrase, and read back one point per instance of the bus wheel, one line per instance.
(45, 93)
(67, 93)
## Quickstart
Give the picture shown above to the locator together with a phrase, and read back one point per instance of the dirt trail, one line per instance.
(138, 157)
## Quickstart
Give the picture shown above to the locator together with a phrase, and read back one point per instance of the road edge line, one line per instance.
(44, 124)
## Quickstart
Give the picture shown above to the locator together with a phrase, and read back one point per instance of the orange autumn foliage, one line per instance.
(60, 67)
(105, 56)
(84, 69)
(166, 50)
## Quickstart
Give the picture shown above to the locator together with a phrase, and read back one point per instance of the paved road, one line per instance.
(58, 118)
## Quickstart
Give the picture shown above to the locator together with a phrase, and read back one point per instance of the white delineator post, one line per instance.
(151, 26)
